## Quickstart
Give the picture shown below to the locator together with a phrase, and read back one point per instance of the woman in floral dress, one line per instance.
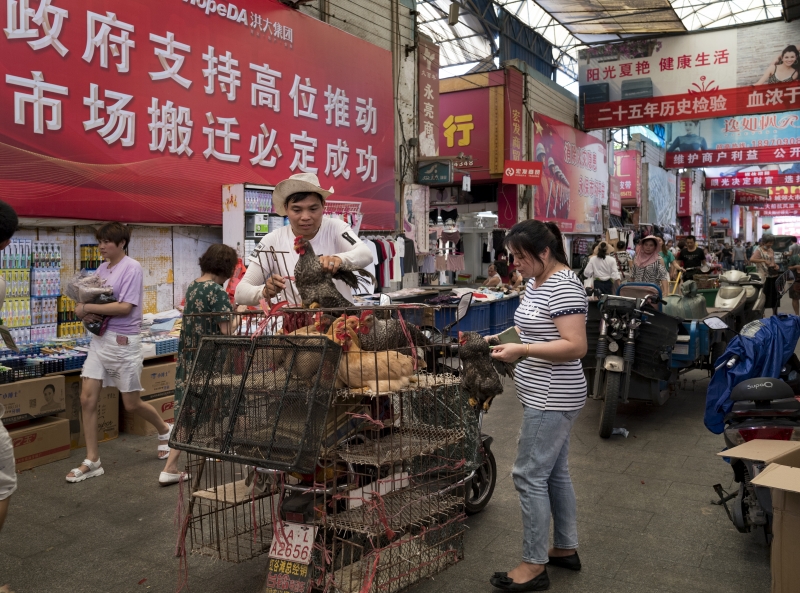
(204, 295)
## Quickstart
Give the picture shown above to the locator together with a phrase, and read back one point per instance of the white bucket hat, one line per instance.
(302, 182)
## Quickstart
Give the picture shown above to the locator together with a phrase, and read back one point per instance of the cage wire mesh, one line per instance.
(359, 421)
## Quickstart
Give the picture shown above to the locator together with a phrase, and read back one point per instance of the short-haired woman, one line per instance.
(204, 295)
(115, 358)
(550, 384)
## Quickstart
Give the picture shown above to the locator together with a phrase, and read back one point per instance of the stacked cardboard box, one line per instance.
(107, 413)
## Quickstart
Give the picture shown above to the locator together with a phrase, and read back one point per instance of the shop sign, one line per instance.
(575, 176)
(434, 173)
(751, 179)
(744, 199)
(466, 129)
(684, 196)
(286, 576)
(690, 77)
(614, 200)
(152, 107)
(428, 100)
(737, 156)
(628, 170)
(522, 172)
(515, 84)
(778, 209)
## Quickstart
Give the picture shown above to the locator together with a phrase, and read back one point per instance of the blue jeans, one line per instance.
(739, 265)
(541, 476)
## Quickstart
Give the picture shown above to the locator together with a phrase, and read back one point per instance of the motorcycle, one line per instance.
(624, 323)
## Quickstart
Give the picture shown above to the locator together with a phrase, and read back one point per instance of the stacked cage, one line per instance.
(352, 425)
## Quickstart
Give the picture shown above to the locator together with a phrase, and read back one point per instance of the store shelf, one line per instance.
(401, 445)
(145, 359)
(396, 510)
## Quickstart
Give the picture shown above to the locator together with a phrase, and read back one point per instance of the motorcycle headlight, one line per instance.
(613, 346)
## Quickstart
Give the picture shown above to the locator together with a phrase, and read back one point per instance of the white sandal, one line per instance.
(164, 448)
(95, 470)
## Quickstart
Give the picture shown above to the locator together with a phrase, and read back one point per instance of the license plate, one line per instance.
(292, 541)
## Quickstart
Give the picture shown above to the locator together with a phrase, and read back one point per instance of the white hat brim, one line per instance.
(287, 187)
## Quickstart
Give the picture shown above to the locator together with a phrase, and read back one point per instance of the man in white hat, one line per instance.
(303, 200)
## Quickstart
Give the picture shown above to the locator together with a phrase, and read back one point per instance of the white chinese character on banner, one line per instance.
(752, 155)
(337, 106)
(427, 92)
(366, 116)
(170, 125)
(225, 133)
(277, 30)
(287, 34)
(337, 159)
(120, 121)
(707, 157)
(170, 69)
(755, 99)
(263, 91)
(367, 164)
(305, 93)
(718, 103)
(38, 101)
(774, 97)
(223, 69)
(262, 145)
(428, 110)
(780, 153)
(120, 44)
(19, 17)
(428, 128)
(304, 148)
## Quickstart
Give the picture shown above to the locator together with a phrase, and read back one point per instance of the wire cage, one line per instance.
(231, 507)
(260, 401)
(359, 427)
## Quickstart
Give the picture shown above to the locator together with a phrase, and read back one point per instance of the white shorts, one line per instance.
(8, 474)
(114, 364)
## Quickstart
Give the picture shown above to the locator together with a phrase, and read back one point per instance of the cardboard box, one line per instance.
(158, 380)
(107, 413)
(40, 442)
(135, 424)
(33, 398)
(782, 475)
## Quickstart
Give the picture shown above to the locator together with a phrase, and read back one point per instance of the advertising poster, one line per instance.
(662, 189)
(742, 71)
(142, 110)
(574, 177)
(628, 171)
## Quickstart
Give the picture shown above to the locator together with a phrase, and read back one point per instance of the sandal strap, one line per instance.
(76, 472)
(92, 465)
(164, 448)
(165, 437)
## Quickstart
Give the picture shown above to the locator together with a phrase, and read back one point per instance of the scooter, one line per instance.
(764, 408)
(743, 295)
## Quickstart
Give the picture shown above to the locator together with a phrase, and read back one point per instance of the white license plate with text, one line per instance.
(292, 541)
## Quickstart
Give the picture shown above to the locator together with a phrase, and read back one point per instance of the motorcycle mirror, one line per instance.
(715, 323)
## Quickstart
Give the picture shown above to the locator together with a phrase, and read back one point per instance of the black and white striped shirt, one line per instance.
(541, 384)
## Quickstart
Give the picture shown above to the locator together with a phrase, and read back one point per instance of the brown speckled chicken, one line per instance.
(388, 334)
(316, 286)
(479, 378)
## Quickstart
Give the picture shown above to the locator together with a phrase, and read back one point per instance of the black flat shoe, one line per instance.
(506, 583)
(571, 562)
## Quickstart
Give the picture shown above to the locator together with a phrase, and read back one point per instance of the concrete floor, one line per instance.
(645, 522)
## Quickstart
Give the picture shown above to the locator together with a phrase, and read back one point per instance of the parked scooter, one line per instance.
(743, 295)
(764, 408)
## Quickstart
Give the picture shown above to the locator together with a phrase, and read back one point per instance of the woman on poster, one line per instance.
(784, 69)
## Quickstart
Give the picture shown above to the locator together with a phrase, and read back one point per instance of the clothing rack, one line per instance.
(350, 212)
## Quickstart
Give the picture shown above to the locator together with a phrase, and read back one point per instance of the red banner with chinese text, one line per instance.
(428, 100)
(747, 199)
(140, 111)
(614, 201)
(703, 105)
(733, 156)
(777, 209)
(684, 206)
(522, 172)
(751, 179)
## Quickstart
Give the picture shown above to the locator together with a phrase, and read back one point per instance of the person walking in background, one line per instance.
(115, 358)
(601, 272)
(668, 258)
(623, 259)
(8, 475)
(648, 265)
(691, 258)
(739, 256)
(204, 296)
(552, 389)
(764, 259)
(749, 251)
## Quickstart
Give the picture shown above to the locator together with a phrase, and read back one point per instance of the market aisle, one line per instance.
(645, 522)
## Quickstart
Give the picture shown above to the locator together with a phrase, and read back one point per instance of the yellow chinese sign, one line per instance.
(287, 577)
(458, 123)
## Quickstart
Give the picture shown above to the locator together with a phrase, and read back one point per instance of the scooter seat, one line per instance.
(782, 404)
(760, 389)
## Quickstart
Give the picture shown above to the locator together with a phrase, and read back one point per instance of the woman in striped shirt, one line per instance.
(550, 384)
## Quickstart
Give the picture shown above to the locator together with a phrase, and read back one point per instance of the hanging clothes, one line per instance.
(453, 236)
(455, 263)
(441, 263)
(428, 265)
(410, 262)
(497, 240)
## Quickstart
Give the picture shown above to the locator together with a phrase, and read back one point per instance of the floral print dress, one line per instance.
(201, 297)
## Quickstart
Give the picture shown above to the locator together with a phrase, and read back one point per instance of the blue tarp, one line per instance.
(763, 347)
